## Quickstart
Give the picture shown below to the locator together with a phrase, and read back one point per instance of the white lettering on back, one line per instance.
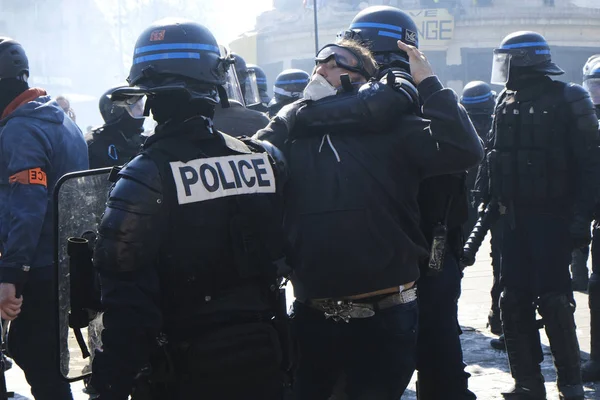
(212, 178)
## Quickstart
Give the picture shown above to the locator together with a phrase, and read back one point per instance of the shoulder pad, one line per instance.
(144, 170)
(234, 144)
(574, 92)
(277, 157)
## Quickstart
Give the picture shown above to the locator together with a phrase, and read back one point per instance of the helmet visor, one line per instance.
(133, 104)
(233, 88)
(344, 58)
(252, 95)
(500, 68)
(593, 87)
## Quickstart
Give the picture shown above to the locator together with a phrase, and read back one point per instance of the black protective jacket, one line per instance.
(237, 120)
(109, 146)
(556, 133)
(186, 243)
(351, 213)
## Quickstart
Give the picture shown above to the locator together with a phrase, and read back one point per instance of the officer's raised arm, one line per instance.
(457, 145)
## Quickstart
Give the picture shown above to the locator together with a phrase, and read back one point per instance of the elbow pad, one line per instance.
(582, 109)
(130, 228)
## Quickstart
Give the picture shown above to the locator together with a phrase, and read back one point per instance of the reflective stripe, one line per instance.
(290, 82)
(375, 25)
(476, 99)
(390, 34)
(177, 46)
(542, 52)
(165, 56)
(284, 92)
(526, 44)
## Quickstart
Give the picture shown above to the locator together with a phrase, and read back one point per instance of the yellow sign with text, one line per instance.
(435, 26)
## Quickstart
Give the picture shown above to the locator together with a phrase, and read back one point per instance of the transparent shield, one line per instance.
(252, 94)
(80, 200)
(500, 68)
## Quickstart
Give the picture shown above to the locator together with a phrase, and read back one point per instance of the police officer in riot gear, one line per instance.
(261, 81)
(119, 139)
(443, 205)
(590, 370)
(186, 245)
(579, 257)
(376, 110)
(232, 116)
(540, 167)
(479, 99)
(288, 88)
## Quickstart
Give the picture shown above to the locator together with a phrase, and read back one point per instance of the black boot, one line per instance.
(579, 269)
(524, 348)
(494, 322)
(590, 371)
(557, 312)
(498, 343)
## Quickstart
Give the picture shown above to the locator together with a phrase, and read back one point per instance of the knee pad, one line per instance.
(594, 291)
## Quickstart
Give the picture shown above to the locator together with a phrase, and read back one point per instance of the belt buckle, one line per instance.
(344, 310)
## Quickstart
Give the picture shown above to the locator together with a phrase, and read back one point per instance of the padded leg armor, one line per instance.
(557, 311)
(590, 371)
(579, 269)
(523, 347)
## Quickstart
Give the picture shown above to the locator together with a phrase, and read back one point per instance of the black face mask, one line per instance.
(130, 126)
(177, 107)
(10, 88)
(482, 124)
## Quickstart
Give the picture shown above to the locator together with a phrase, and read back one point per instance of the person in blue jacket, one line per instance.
(38, 145)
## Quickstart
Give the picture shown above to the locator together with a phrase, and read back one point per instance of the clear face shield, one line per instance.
(232, 86)
(593, 87)
(500, 68)
(252, 95)
(134, 105)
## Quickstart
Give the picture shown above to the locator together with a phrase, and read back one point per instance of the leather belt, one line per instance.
(345, 310)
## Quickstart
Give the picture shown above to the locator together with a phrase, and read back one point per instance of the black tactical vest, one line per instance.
(223, 229)
(530, 157)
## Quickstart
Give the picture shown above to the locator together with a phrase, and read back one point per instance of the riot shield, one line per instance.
(79, 203)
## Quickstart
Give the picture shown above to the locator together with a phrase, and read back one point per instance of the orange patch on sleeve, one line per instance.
(33, 176)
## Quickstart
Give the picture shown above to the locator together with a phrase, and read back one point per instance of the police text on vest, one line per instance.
(211, 178)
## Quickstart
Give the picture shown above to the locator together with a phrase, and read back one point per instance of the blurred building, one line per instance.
(458, 36)
(71, 49)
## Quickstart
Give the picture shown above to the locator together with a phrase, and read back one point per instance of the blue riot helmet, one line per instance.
(590, 63)
(591, 80)
(261, 82)
(175, 55)
(379, 28)
(289, 85)
(13, 60)
(523, 50)
(478, 98)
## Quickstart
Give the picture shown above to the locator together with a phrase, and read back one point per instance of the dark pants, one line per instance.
(376, 354)
(596, 248)
(496, 244)
(439, 353)
(33, 342)
(536, 255)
